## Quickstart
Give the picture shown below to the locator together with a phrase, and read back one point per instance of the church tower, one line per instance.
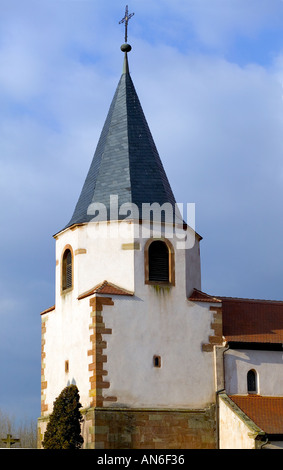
(123, 328)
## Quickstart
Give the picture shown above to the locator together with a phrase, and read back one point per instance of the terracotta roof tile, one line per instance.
(265, 412)
(48, 310)
(199, 296)
(257, 321)
(106, 287)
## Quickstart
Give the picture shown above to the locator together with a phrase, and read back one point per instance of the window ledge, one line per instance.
(160, 283)
(66, 291)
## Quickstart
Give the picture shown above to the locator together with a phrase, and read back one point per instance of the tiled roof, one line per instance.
(106, 287)
(126, 162)
(50, 309)
(252, 321)
(247, 320)
(265, 412)
(199, 296)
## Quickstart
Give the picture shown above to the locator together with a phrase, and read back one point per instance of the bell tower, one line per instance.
(122, 328)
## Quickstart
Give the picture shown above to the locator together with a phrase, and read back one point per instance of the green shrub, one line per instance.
(64, 426)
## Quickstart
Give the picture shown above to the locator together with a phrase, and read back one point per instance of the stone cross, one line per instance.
(125, 20)
(9, 440)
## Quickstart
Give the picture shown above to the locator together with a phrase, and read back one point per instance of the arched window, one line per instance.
(67, 270)
(252, 381)
(159, 262)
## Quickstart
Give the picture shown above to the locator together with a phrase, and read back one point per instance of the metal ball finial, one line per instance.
(126, 48)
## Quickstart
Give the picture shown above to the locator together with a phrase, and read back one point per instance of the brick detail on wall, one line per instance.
(97, 352)
(216, 339)
(44, 407)
(111, 428)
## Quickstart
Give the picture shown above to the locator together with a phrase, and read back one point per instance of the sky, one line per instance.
(209, 76)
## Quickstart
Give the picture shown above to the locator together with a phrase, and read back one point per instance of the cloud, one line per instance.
(218, 127)
(216, 24)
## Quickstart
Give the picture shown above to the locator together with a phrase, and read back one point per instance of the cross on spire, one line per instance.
(125, 20)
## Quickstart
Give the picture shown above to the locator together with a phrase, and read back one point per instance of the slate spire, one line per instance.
(126, 163)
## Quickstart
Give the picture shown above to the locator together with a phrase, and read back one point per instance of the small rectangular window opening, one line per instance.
(156, 361)
(66, 366)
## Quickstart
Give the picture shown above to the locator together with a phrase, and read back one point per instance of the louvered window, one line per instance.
(252, 381)
(158, 262)
(67, 273)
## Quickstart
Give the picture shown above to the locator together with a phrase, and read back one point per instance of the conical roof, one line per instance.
(126, 163)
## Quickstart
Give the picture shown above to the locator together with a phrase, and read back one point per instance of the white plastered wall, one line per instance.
(152, 322)
(267, 364)
(159, 326)
(233, 431)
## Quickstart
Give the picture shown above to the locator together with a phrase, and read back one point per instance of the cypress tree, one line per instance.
(64, 427)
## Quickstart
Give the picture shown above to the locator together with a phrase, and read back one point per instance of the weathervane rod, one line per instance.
(125, 20)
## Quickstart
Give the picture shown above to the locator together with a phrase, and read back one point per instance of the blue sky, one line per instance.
(209, 75)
